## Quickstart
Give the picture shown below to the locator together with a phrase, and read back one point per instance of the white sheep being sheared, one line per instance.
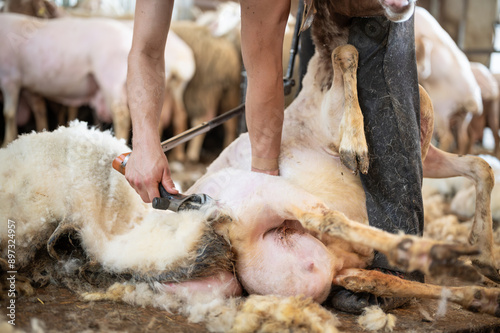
(85, 214)
(79, 203)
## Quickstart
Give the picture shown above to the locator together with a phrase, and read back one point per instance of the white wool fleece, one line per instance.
(158, 241)
(66, 178)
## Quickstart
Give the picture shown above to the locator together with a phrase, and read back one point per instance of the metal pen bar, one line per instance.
(202, 128)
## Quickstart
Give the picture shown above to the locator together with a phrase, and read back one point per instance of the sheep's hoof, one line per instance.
(482, 300)
(355, 161)
(444, 261)
(487, 270)
(64, 228)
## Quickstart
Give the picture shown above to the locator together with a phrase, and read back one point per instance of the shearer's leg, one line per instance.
(389, 99)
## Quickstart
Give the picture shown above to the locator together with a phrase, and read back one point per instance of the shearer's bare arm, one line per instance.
(148, 165)
(262, 31)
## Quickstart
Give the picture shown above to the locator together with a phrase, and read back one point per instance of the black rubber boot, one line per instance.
(389, 99)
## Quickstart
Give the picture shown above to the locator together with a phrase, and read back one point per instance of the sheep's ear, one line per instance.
(63, 238)
(307, 15)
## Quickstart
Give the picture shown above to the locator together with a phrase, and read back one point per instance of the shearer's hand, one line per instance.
(146, 168)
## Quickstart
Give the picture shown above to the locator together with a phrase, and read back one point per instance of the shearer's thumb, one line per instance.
(168, 183)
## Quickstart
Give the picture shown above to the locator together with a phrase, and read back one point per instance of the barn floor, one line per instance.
(59, 310)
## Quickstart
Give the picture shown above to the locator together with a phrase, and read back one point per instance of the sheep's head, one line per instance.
(393, 10)
(398, 10)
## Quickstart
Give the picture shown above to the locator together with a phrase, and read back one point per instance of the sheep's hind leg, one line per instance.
(440, 164)
(472, 298)
(406, 252)
(353, 148)
(37, 104)
(196, 144)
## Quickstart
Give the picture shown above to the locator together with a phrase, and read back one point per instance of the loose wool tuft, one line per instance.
(443, 302)
(279, 314)
(374, 319)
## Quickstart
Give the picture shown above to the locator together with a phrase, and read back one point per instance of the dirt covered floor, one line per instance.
(56, 309)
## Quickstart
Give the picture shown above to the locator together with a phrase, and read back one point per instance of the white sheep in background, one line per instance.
(71, 61)
(445, 72)
(491, 112)
(93, 71)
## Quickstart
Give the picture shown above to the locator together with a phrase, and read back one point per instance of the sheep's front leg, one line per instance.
(352, 148)
(10, 90)
(37, 105)
(472, 298)
(121, 120)
(409, 253)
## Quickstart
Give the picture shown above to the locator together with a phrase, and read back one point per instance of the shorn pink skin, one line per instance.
(299, 264)
(225, 282)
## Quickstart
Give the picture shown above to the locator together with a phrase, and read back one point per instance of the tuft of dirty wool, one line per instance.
(296, 314)
(374, 319)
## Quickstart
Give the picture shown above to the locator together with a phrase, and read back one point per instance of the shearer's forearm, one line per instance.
(145, 88)
(265, 121)
(146, 68)
(262, 29)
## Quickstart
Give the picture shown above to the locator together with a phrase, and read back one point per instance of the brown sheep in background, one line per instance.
(221, 26)
(225, 21)
(215, 87)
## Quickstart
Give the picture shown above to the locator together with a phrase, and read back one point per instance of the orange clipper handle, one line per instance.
(120, 162)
